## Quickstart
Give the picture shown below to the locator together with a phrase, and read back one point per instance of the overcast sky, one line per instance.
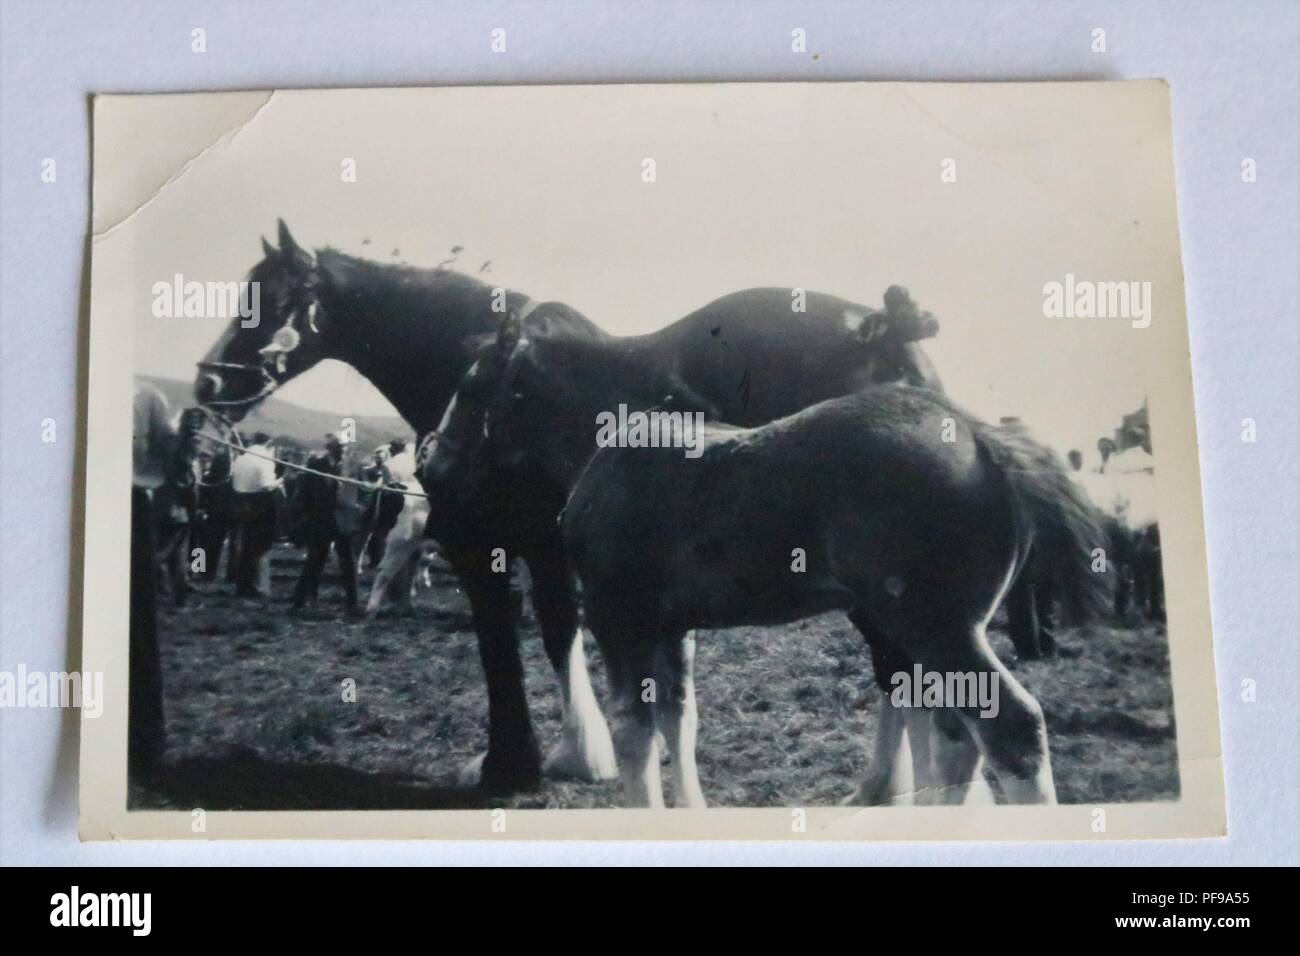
(836, 188)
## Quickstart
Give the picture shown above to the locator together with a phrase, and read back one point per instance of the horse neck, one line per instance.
(409, 343)
(418, 398)
(606, 360)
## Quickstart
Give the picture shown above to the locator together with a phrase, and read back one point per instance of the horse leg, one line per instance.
(887, 776)
(956, 757)
(1012, 737)
(919, 722)
(1023, 626)
(676, 716)
(513, 761)
(585, 750)
(630, 659)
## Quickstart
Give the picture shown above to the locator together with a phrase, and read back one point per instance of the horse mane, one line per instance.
(366, 277)
(557, 319)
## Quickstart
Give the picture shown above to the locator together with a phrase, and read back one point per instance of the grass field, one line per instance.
(256, 716)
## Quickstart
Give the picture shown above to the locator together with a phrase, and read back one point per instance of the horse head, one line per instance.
(893, 335)
(448, 457)
(900, 322)
(284, 335)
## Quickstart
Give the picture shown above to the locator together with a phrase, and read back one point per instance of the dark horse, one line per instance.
(894, 504)
(413, 333)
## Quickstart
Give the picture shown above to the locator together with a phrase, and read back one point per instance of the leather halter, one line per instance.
(269, 381)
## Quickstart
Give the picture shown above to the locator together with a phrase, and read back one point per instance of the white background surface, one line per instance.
(1233, 71)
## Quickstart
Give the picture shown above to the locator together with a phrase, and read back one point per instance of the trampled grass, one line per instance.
(257, 716)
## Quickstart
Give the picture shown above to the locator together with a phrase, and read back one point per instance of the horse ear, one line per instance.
(287, 244)
(291, 251)
(269, 250)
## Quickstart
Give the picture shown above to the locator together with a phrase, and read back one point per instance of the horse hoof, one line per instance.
(491, 779)
(472, 773)
(874, 794)
(588, 761)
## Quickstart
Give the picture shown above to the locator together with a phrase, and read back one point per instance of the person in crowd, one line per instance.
(1075, 457)
(1105, 448)
(331, 515)
(400, 469)
(215, 510)
(253, 485)
(175, 517)
(1131, 473)
(288, 502)
(401, 465)
(380, 515)
(377, 470)
(232, 539)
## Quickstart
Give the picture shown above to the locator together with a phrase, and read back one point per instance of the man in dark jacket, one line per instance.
(381, 508)
(216, 501)
(331, 516)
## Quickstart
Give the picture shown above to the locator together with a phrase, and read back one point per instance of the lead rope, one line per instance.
(312, 471)
(222, 422)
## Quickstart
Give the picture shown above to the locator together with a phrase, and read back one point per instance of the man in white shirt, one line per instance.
(254, 482)
(251, 473)
(401, 466)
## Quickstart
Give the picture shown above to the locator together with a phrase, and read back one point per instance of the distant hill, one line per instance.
(305, 427)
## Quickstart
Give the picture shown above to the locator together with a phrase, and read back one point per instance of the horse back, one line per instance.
(786, 520)
(756, 357)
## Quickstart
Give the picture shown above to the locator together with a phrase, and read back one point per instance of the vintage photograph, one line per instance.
(819, 454)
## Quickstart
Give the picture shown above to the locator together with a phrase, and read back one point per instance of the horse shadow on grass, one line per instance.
(244, 780)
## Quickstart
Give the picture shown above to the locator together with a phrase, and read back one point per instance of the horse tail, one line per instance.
(1053, 516)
